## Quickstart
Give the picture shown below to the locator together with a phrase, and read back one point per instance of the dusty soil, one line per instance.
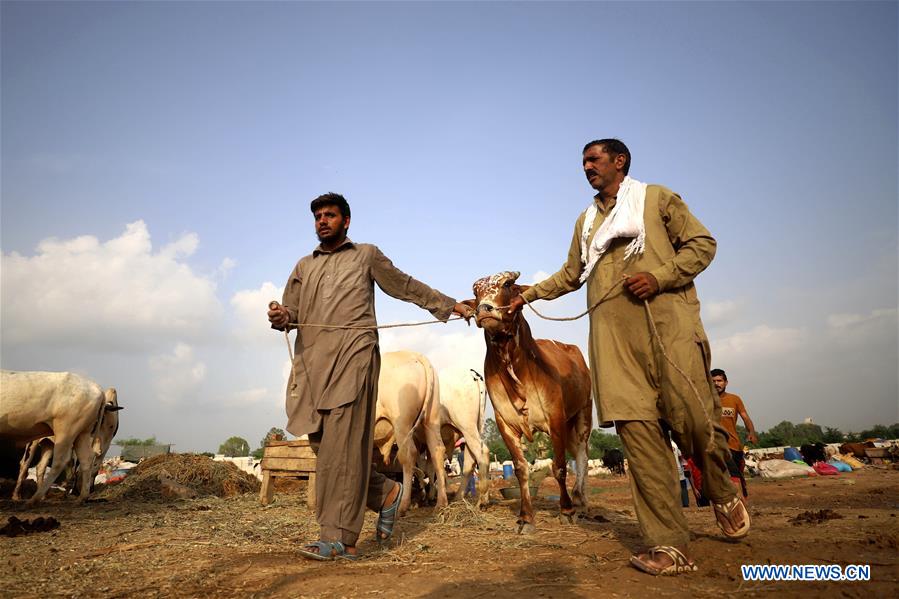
(224, 547)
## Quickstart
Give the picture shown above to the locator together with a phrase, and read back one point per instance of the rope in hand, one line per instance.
(655, 332)
(652, 324)
(273, 304)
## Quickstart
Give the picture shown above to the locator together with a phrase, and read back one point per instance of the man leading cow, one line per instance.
(332, 389)
(636, 243)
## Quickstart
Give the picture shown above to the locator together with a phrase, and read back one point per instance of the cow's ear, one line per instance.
(519, 289)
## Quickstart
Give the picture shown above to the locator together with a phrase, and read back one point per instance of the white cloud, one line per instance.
(718, 313)
(757, 342)
(256, 396)
(225, 268)
(461, 349)
(177, 374)
(115, 295)
(882, 317)
(538, 276)
(250, 307)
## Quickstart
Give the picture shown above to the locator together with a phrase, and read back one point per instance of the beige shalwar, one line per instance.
(332, 391)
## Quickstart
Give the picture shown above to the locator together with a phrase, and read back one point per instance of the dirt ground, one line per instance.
(215, 547)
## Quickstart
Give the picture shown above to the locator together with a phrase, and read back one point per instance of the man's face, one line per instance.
(600, 168)
(330, 224)
(720, 383)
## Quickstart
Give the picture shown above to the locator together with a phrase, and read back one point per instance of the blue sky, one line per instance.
(169, 151)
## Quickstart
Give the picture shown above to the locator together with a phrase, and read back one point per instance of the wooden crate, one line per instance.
(293, 459)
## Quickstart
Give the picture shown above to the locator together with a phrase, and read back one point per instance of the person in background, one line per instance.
(731, 407)
(679, 460)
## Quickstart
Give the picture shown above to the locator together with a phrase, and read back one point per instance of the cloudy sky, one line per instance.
(158, 160)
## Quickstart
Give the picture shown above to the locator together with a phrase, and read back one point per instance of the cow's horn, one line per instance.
(114, 408)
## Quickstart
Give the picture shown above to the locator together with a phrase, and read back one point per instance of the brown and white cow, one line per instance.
(407, 414)
(534, 385)
(62, 404)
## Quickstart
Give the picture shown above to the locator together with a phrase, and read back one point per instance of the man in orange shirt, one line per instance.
(731, 406)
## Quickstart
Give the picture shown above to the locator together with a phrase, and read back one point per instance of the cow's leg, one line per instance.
(483, 474)
(436, 457)
(43, 462)
(407, 455)
(62, 454)
(513, 443)
(85, 454)
(560, 473)
(469, 462)
(427, 469)
(476, 448)
(23, 468)
(579, 437)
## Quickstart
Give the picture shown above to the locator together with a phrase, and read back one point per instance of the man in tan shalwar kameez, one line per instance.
(634, 385)
(332, 390)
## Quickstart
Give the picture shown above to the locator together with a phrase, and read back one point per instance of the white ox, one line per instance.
(66, 406)
(463, 401)
(102, 439)
(407, 411)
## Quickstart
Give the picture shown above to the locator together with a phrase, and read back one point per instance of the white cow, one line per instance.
(463, 401)
(101, 441)
(66, 406)
(408, 408)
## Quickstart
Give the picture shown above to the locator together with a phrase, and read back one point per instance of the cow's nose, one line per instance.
(485, 308)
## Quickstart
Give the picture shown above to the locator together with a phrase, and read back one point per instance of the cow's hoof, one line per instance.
(526, 528)
(568, 518)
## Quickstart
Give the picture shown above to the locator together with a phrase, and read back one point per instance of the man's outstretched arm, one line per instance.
(565, 280)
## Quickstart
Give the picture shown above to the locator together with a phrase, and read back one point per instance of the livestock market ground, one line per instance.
(215, 547)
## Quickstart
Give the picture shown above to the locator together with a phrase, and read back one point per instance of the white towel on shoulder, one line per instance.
(625, 220)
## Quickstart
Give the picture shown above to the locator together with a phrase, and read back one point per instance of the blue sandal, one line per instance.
(327, 551)
(387, 518)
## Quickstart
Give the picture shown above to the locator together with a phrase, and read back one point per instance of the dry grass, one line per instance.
(198, 473)
(463, 514)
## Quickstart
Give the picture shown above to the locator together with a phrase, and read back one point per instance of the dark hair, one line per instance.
(612, 147)
(719, 372)
(331, 199)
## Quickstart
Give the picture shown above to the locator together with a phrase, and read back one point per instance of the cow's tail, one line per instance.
(430, 382)
(482, 396)
(99, 419)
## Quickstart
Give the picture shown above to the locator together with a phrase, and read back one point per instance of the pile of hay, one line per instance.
(182, 475)
(462, 514)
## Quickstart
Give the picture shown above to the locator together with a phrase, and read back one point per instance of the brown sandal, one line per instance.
(681, 563)
(726, 512)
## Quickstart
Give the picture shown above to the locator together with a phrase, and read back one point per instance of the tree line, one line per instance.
(787, 433)
(541, 447)
(783, 434)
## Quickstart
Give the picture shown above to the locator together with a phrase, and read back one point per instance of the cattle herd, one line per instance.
(58, 414)
(64, 419)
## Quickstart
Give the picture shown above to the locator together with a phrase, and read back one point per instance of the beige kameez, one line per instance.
(332, 391)
(632, 381)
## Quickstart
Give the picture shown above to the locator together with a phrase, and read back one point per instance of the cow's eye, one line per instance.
(507, 284)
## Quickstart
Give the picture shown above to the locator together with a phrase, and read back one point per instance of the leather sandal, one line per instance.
(387, 518)
(327, 551)
(726, 512)
(680, 562)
